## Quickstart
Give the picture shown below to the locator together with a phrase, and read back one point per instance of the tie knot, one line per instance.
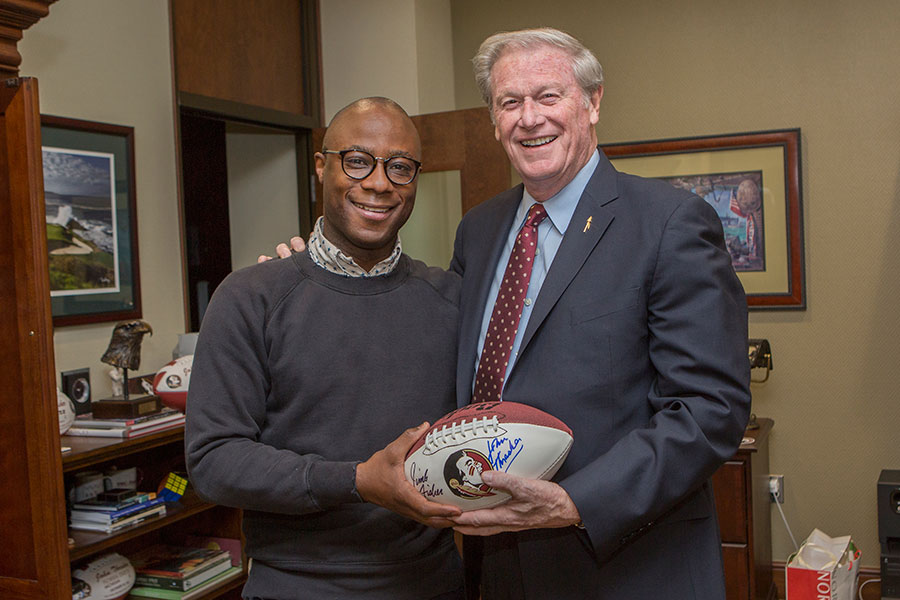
(536, 214)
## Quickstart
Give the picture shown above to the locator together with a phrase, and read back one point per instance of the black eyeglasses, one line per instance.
(359, 164)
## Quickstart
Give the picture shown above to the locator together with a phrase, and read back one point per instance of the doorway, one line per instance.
(246, 187)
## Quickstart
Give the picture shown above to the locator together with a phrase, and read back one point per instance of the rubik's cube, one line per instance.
(174, 488)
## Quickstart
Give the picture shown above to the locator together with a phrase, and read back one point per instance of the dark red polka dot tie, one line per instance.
(504, 323)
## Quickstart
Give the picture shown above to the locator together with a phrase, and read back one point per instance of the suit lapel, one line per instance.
(485, 248)
(578, 243)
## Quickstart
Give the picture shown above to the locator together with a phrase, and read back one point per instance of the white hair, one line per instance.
(585, 66)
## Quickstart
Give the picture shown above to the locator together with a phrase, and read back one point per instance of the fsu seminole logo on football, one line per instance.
(462, 472)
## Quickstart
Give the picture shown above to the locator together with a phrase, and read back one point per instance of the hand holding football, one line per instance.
(446, 462)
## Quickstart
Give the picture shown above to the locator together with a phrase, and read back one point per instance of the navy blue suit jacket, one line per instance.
(638, 341)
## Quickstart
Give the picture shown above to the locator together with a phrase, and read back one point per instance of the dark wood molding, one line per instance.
(262, 66)
(311, 38)
(483, 163)
(244, 113)
(15, 17)
(30, 463)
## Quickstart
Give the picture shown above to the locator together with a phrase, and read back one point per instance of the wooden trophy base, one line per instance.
(117, 407)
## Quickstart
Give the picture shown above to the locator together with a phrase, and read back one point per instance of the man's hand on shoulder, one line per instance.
(535, 504)
(283, 251)
(381, 480)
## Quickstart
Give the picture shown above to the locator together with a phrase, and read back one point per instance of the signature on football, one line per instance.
(420, 480)
(502, 451)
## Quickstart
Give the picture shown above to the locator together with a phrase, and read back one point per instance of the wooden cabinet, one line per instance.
(743, 505)
(35, 558)
(249, 61)
(154, 456)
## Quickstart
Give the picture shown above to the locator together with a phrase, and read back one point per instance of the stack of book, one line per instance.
(180, 572)
(126, 428)
(113, 515)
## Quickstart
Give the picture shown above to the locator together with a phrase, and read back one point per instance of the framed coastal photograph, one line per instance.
(89, 197)
(752, 180)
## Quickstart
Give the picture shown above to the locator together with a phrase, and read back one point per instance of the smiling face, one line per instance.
(362, 217)
(470, 470)
(541, 117)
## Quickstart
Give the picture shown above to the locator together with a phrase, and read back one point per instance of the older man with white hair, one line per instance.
(627, 322)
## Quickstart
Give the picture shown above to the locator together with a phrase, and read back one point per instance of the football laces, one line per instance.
(454, 434)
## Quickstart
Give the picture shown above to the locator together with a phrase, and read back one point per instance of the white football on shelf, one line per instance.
(66, 409)
(108, 577)
(446, 462)
(172, 381)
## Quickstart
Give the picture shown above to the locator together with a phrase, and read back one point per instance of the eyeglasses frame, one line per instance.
(383, 160)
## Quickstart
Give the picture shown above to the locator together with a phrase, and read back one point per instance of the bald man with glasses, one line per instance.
(306, 369)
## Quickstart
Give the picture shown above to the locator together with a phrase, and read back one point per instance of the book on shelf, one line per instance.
(125, 432)
(168, 414)
(113, 505)
(155, 511)
(183, 583)
(232, 545)
(114, 516)
(176, 561)
(201, 590)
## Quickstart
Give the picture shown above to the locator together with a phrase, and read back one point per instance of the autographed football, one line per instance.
(446, 462)
(172, 381)
(106, 578)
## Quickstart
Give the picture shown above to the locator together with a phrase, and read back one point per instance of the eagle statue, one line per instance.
(125, 346)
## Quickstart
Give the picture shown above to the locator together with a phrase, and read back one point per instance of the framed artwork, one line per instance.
(89, 196)
(752, 180)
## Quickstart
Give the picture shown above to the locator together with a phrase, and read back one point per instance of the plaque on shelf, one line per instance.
(135, 405)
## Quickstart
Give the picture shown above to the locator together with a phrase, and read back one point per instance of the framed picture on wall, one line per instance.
(752, 180)
(89, 196)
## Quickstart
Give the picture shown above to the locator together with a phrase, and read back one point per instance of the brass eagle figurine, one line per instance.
(125, 346)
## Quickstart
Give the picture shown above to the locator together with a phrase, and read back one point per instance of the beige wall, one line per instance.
(109, 61)
(395, 48)
(262, 191)
(701, 67)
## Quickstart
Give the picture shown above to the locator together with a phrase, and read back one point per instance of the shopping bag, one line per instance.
(824, 568)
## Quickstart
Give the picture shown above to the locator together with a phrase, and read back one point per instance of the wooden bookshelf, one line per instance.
(155, 455)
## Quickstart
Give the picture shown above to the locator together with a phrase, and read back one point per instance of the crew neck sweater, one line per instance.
(299, 374)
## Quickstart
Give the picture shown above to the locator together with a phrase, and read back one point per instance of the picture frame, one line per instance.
(753, 182)
(91, 205)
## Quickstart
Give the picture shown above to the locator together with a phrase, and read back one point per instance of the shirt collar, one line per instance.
(561, 206)
(329, 257)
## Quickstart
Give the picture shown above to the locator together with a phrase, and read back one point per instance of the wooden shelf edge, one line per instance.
(87, 451)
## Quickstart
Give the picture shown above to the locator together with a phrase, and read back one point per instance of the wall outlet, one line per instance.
(776, 488)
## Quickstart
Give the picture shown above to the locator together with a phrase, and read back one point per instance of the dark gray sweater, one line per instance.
(298, 375)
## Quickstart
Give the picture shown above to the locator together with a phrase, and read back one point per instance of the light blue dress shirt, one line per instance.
(560, 209)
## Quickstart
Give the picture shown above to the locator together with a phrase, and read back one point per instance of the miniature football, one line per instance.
(446, 462)
(66, 409)
(171, 382)
(106, 578)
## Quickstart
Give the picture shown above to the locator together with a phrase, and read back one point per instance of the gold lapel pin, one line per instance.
(588, 224)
